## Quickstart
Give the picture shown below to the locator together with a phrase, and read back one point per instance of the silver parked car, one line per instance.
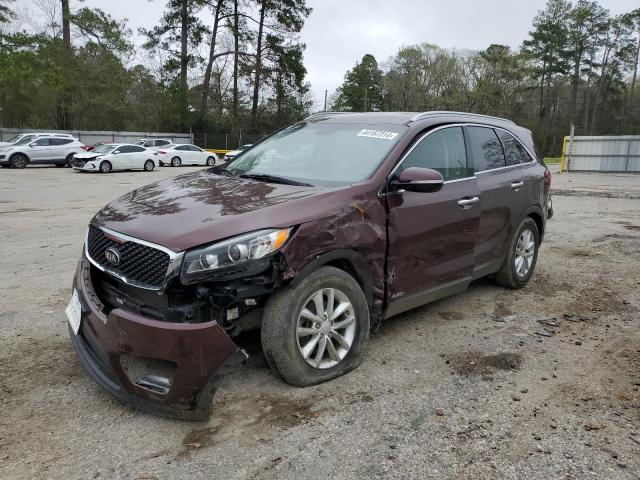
(31, 135)
(41, 150)
(154, 142)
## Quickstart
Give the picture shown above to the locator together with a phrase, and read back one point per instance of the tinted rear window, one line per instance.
(513, 149)
(486, 149)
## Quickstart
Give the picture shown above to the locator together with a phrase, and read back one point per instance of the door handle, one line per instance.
(517, 185)
(468, 201)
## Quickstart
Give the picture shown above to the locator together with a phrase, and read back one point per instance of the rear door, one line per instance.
(502, 197)
(432, 235)
(60, 147)
(39, 150)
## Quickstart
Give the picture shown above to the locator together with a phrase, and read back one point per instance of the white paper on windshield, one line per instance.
(377, 134)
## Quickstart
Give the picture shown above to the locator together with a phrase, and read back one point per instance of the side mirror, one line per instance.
(417, 179)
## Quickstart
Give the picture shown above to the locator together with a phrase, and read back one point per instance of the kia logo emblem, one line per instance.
(112, 255)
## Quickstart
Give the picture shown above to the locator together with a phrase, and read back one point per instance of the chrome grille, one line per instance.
(139, 264)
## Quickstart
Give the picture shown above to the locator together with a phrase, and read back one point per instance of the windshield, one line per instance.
(320, 153)
(103, 149)
(13, 139)
(25, 140)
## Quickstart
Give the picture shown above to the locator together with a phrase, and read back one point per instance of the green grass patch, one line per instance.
(552, 160)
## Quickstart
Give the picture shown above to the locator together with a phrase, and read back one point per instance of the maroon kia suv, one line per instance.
(314, 235)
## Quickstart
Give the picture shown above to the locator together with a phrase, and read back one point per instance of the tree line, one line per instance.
(578, 66)
(67, 66)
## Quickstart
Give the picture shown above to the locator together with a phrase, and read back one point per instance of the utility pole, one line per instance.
(325, 100)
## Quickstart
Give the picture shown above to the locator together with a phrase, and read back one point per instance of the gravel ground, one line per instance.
(538, 383)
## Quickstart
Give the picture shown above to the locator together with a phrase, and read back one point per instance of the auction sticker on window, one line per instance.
(74, 312)
(377, 134)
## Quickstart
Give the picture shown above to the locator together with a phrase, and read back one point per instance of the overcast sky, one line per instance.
(339, 32)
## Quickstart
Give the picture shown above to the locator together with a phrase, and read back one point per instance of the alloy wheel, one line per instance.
(525, 251)
(326, 328)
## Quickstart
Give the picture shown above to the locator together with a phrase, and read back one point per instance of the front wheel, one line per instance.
(19, 161)
(105, 167)
(176, 162)
(211, 162)
(521, 259)
(149, 166)
(317, 330)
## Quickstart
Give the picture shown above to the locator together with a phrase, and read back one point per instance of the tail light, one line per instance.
(547, 177)
(86, 147)
(162, 152)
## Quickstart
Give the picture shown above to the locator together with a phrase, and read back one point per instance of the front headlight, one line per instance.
(236, 251)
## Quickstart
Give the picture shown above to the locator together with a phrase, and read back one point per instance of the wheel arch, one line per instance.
(20, 153)
(535, 213)
(347, 260)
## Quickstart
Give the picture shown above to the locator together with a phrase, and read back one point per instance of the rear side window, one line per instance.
(486, 149)
(442, 150)
(60, 141)
(514, 152)
(183, 147)
(160, 143)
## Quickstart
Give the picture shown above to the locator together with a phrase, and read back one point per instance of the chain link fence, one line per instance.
(224, 141)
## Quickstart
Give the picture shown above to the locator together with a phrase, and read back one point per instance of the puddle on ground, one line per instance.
(478, 363)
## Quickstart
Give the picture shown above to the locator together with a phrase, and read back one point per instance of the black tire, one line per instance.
(176, 162)
(69, 159)
(19, 161)
(105, 167)
(508, 276)
(149, 166)
(279, 328)
(211, 161)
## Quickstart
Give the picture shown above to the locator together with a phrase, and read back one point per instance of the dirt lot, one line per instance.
(539, 383)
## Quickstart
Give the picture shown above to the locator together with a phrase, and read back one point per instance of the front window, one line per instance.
(320, 153)
(104, 149)
(25, 140)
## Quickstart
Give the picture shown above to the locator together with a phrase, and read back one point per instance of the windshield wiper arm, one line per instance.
(273, 178)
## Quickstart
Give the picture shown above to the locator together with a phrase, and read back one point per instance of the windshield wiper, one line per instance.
(273, 178)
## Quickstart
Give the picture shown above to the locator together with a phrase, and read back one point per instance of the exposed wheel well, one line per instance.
(347, 260)
(539, 223)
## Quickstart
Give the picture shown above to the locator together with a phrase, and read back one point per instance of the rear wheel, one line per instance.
(176, 162)
(149, 165)
(521, 259)
(317, 330)
(69, 160)
(211, 161)
(19, 160)
(105, 167)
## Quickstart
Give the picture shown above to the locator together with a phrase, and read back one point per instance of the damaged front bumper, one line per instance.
(169, 369)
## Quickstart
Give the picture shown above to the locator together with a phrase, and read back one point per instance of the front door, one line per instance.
(39, 150)
(432, 235)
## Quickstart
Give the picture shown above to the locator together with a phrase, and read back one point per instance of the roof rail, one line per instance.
(327, 112)
(423, 115)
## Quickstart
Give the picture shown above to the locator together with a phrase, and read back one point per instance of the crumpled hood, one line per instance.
(201, 207)
(88, 155)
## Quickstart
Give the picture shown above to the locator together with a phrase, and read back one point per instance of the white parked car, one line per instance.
(40, 150)
(17, 138)
(186, 154)
(115, 156)
(234, 153)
